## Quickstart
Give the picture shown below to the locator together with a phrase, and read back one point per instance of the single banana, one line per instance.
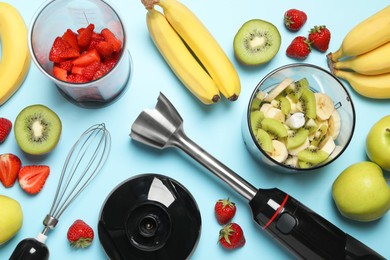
(365, 36)
(370, 63)
(371, 86)
(15, 58)
(179, 58)
(203, 45)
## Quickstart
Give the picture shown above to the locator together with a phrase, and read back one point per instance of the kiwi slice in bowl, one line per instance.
(37, 129)
(256, 42)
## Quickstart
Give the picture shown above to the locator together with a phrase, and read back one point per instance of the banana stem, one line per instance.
(149, 4)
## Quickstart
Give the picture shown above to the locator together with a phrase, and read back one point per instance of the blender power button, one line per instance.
(286, 223)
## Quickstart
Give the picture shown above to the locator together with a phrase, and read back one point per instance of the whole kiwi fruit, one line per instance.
(256, 42)
(37, 129)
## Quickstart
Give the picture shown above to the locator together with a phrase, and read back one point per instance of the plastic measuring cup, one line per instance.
(52, 20)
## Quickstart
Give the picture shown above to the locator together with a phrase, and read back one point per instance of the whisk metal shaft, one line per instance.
(84, 161)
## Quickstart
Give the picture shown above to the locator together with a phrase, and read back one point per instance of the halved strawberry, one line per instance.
(87, 58)
(32, 178)
(104, 68)
(97, 36)
(60, 73)
(93, 44)
(77, 69)
(111, 38)
(59, 45)
(105, 49)
(76, 78)
(5, 128)
(66, 65)
(85, 36)
(69, 53)
(89, 71)
(9, 168)
(71, 37)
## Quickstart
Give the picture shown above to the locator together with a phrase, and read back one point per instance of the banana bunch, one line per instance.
(363, 58)
(191, 51)
(15, 59)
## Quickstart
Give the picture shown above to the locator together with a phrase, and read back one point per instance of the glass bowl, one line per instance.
(52, 19)
(320, 81)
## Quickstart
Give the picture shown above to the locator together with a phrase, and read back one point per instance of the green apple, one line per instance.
(11, 218)
(361, 192)
(378, 143)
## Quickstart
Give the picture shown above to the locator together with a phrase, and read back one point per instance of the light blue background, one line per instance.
(216, 128)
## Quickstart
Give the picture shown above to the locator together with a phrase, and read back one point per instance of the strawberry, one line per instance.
(32, 178)
(76, 78)
(80, 234)
(66, 65)
(319, 37)
(85, 36)
(71, 37)
(9, 168)
(60, 73)
(89, 71)
(5, 128)
(224, 210)
(299, 48)
(111, 38)
(104, 68)
(231, 236)
(87, 58)
(59, 45)
(105, 49)
(294, 19)
(69, 53)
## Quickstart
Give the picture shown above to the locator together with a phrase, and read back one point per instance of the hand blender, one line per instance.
(303, 232)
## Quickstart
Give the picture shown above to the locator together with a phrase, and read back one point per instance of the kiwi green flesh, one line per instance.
(296, 138)
(294, 91)
(312, 155)
(282, 103)
(264, 140)
(274, 127)
(308, 102)
(256, 117)
(256, 42)
(37, 129)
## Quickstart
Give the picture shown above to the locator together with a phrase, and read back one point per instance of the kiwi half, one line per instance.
(256, 42)
(37, 129)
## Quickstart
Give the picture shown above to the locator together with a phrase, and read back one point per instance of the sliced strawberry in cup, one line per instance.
(60, 73)
(87, 58)
(111, 38)
(105, 49)
(85, 36)
(71, 37)
(89, 71)
(66, 65)
(59, 46)
(76, 78)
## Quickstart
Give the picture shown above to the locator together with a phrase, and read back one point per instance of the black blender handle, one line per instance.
(30, 249)
(302, 231)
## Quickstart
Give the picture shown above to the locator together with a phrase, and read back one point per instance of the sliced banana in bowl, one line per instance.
(302, 118)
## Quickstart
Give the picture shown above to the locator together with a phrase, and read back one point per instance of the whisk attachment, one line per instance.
(84, 161)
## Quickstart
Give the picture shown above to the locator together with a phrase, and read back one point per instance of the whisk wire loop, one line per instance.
(85, 159)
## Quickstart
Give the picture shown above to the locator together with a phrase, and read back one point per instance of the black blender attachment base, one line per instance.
(303, 232)
(149, 216)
